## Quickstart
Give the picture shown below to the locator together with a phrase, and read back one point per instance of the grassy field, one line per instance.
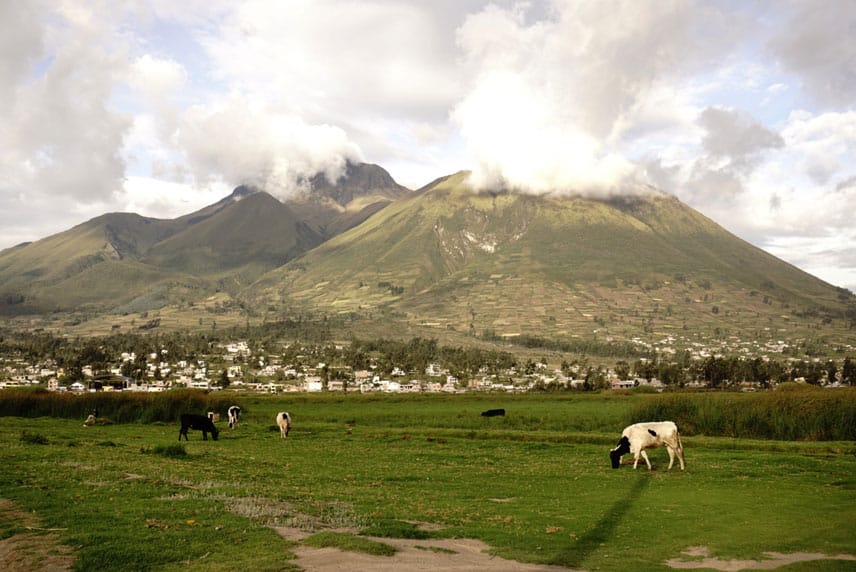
(536, 486)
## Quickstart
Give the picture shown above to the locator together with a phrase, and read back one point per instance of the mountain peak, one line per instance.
(243, 191)
(358, 179)
(362, 190)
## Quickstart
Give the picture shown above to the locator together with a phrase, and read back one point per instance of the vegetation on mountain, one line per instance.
(122, 262)
(621, 276)
(567, 268)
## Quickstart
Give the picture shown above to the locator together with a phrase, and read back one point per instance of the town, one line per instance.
(415, 366)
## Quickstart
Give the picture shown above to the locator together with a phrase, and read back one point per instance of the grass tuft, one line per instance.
(350, 542)
(173, 451)
(33, 438)
(395, 529)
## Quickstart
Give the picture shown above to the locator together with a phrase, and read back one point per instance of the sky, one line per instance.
(746, 111)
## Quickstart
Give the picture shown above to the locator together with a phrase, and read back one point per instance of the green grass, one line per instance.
(536, 486)
(345, 541)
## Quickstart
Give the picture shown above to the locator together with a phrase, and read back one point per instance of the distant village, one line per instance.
(239, 370)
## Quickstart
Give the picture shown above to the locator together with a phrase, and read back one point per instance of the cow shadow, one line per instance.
(577, 553)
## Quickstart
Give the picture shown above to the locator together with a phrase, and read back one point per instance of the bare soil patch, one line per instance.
(30, 547)
(770, 561)
(438, 555)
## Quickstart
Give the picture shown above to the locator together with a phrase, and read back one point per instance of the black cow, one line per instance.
(494, 413)
(199, 423)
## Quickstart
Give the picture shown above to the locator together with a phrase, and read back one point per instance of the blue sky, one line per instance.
(746, 111)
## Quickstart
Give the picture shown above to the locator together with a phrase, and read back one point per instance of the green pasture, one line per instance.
(535, 485)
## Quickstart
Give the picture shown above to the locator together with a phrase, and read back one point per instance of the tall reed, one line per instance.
(120, 407)
(806, 414)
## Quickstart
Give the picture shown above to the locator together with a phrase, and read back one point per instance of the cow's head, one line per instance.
(622, 449)
(215, 433)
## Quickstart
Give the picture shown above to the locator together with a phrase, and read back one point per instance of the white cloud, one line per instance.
(163, 199)
(815, 43)
(59, 135)
(233, 141)
(510, 132)
(559, 103)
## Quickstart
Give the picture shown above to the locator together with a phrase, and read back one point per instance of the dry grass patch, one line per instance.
(25, 546)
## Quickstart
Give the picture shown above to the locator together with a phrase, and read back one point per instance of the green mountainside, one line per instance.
(255, 233)
(121, 262)
(443, 260)
(510, 264)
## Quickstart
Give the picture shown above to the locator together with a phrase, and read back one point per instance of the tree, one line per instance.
(848, 372)
(831, 371)
(622, 369)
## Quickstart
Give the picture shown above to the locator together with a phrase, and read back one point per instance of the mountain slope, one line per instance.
(121, 260)
(255, 233)
(512, 264)
(31, 276)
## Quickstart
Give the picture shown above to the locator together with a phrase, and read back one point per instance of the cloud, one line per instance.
(511, 132)
(59, 135)
(736, 137)
(557, 102)
(21, 44)
(233, 141)
(331, 57)
(814, 45)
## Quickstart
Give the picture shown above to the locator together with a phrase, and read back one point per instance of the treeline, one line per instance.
(722, 372)
(579, 346)
(791, 413)
(417, 353)
(118, 407)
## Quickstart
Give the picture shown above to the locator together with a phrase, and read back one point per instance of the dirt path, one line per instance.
(440, 555)
(30, 547)
(770, 561)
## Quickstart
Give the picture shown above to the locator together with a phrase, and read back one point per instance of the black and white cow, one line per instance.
(636, 438)
(283, 420)
(234, 416)
(199, 423)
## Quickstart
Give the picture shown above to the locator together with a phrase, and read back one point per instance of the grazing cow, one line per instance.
(215, 417)
(199, 423)
(234, 416)
(636, 438)
(494, 413)
(283, 419)
(89, 421)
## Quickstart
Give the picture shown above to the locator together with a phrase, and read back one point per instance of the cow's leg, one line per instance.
(635, 460)
(671, 455)
(204, 435)
(645, 456)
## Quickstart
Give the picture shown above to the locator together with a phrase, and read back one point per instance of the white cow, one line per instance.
(636, 438)
(234, 416)
(283, 419)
